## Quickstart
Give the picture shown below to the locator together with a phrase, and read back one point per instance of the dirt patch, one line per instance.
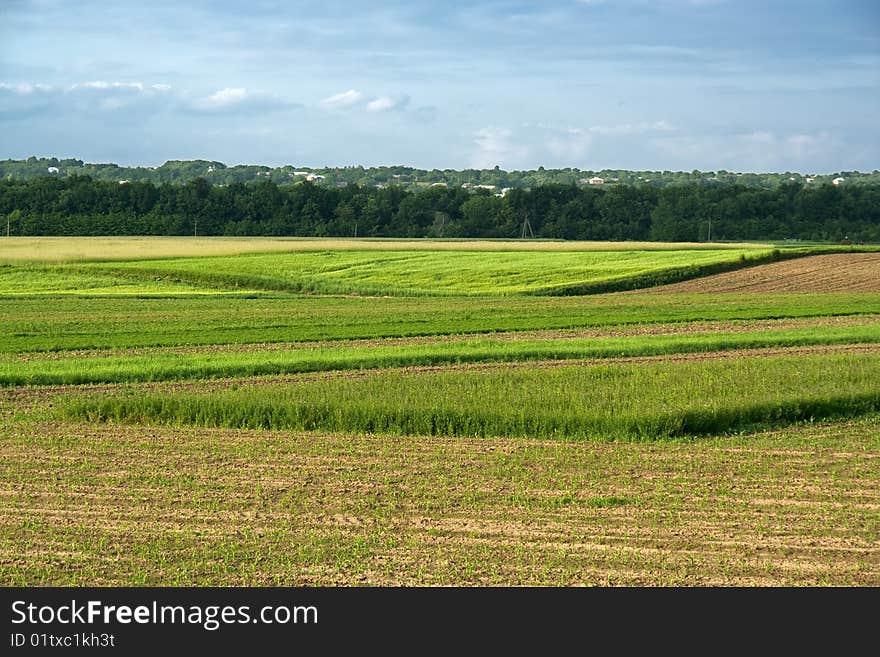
(837, 272)
(90, 505)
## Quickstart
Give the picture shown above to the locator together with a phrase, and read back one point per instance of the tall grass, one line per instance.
(625, 401)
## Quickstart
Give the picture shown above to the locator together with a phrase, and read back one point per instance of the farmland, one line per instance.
(850, 272)
(308, 412)
(398, 272)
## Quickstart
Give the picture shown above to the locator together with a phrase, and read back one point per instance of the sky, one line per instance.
(623, 84)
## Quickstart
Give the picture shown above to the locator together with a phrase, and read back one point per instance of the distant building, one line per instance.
(593, 181)
(302, 173)
(809, 179)
(837, 181)
(312, 177)
(52, 169)
(438, 184)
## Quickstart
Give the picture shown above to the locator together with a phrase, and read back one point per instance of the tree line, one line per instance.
(218, 173)
(80, 205)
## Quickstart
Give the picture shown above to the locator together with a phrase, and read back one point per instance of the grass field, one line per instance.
(71, 323)
(308, 412)
(376, 273)
(615, 401)
(427, 273)
(164, 364)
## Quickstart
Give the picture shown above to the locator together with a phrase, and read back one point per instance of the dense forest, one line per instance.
(217, 173)
(79, 205)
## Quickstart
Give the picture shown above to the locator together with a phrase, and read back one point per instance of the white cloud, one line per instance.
(343, 100)
(25, 99)
(380, 104)
(22, 99)
(133, 97)
(386, 103)
(103, 85)
(354, 98)
(238, 99)
(104, 96)
(24, 88)
(495, 147)
(224, 97)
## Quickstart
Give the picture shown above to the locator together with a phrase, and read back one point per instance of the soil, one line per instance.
(837, 272)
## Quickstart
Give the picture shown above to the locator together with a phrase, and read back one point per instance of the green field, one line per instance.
(374, 273)
(390, 412)
(427, 273)
(164, 364)
(620, 401)
(71, 323)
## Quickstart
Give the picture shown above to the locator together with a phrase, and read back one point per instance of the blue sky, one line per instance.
(635, 84)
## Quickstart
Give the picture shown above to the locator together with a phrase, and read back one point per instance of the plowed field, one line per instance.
(838, 272)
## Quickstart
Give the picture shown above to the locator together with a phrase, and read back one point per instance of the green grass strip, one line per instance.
(65, 323)
(165, 366)
(620, 401)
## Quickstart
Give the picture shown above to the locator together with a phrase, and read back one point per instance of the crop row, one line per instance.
(163, 366)
(66, 323)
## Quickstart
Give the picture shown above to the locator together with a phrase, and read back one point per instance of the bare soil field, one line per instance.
(112, 505)
(837, 272)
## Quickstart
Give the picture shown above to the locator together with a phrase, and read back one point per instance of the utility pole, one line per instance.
(526, 224)
(709, 236)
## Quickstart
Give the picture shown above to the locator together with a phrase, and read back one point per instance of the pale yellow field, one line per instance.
(65, 249)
